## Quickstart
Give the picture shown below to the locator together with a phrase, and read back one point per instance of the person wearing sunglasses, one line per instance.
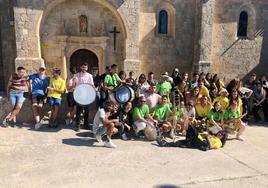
(141, 116)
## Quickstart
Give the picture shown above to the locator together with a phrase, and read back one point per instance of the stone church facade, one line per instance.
(139, 35)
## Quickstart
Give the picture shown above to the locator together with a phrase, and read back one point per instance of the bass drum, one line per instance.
(84, 94)
(124, 94)
(150, 133)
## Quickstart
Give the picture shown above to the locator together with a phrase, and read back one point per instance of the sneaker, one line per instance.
(5, 123)
(161, 142)
(124, 137)
(238, 137)
(98, 138)
(67, 121)
(37, 126)
(172, 135)
(109, 144)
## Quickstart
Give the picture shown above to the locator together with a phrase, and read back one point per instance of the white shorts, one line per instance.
(140, 125)
(214, 129)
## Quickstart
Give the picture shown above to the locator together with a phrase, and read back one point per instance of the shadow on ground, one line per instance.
(79, 142)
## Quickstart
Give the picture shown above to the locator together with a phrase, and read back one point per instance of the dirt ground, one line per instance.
(64, 158)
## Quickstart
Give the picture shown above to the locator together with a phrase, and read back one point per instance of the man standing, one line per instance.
(152, 98)
(83, 77)
(39, 83)
(111, 81)
(55, 90)
(16, 87)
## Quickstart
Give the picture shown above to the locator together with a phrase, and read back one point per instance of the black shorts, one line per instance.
(37, 98)
(70, 99)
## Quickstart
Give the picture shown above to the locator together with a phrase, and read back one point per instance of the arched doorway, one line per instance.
(85, 56)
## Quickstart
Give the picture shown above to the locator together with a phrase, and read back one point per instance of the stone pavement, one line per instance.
(63, 158)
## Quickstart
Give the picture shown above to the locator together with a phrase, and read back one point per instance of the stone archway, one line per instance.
(84, 56)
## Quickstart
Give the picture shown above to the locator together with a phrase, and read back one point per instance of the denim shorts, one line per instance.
(53, 101)
(102, 130)
(16, 98)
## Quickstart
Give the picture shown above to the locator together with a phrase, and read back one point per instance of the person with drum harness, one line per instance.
(83, 77)
(111, 82)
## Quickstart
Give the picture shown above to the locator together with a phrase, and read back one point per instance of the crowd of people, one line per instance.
(203, 109)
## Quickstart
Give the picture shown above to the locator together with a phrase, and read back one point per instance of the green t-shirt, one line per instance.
(230, 115)
(140, 112)
(179, 112)
(216, 116)
(164, 88)
(112, 81)
(161, 111)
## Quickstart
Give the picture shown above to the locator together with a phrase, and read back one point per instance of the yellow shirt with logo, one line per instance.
(202, 111)
(58, 84)
(224, 101)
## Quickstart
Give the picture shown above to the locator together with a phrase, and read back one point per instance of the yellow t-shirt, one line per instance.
(202, 111)
(223, 101)
(57, 84)
(204, 91)
(239, 106)
(216, 142)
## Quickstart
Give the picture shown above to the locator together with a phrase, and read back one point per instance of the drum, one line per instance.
(124, 94)
(84, 94)
(150, 133)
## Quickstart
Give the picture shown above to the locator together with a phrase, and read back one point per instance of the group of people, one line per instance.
(204, 109)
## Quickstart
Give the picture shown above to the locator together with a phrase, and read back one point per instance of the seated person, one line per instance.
(180, 118)
(141, 117)
(223, 99)
(161, 115)
(125, 120)
(197, 141)
(233, 122)
(215, 118)
(103, 126)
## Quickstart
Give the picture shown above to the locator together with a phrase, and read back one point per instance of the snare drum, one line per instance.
(124, 94)
(84, 94)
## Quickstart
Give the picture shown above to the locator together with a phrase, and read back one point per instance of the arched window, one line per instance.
(243, 24)
(163, 22)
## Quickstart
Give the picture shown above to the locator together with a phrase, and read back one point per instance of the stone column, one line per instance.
(27, 38)
(131, 9)
(203, 62)
(64, 68)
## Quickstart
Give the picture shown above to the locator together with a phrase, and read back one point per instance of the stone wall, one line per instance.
(161, 53)
(60, 35)
(236, 57)
(7, 40)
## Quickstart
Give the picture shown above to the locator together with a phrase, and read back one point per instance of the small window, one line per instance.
(163, 22)
(243, 24)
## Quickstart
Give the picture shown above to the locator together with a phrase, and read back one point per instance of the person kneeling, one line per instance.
(103, 126)
(233, 122)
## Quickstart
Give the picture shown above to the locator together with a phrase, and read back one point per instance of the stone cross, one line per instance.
(115, 32)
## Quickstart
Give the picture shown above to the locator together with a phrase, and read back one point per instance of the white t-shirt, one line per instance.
(191, 113)
(244, 90)
(97, 119)
(152, 100)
